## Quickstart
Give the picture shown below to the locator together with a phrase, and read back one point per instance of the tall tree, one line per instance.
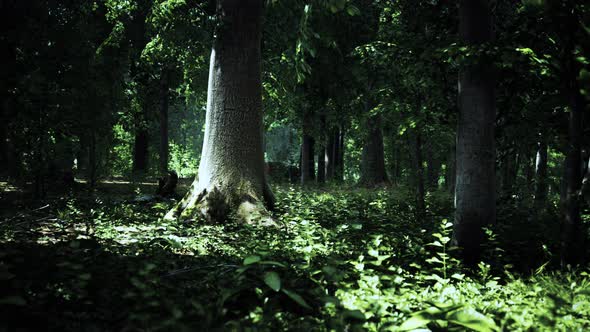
(231, 176)
(475, 187)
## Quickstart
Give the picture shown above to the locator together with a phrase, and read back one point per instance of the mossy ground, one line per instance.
(344, 259)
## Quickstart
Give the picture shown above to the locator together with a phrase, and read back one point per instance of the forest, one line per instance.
(294, 165)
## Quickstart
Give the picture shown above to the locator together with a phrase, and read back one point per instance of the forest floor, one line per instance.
(345, 259)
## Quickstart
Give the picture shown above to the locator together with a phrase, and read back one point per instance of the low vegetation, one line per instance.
(345, 259)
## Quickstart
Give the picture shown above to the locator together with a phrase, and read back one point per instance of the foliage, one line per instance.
(345, 260)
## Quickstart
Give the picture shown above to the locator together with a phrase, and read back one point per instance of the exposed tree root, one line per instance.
(216, 205)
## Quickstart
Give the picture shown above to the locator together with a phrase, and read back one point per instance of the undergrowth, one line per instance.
(345, 260)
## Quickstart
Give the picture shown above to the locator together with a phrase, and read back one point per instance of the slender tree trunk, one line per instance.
(330, 146)
(541, 174)
(321, 147)
(475, 187)
(164, 152)
(336, 155)
(231, 174)
(586, 182)
(340, 156)
(418, 171)
(373, 159)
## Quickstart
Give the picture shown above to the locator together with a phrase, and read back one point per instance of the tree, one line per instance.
(231, 177)
(475, 200)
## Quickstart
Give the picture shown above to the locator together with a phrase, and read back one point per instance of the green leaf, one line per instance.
(272, 280)
(252, 259)
(297, 298)
(414, 322)
(352, 10)
(470, 318)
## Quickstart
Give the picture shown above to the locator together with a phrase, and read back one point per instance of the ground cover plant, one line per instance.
(347, 259)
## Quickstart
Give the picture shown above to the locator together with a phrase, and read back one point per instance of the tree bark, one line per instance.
(321, 176)
(231, 179)
(475, 187)
(164, 152)
(451, 171)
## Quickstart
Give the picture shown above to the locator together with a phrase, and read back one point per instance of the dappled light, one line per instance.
(288, 165)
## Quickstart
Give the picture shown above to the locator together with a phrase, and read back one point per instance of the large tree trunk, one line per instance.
(574, 233)
(475, 188)
(451, 171)
(164, 86)
(140, 149)
(231, 177)
(373, 159)
(541, 175)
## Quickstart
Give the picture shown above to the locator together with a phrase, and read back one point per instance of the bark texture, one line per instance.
(231, 179)
(475, 184)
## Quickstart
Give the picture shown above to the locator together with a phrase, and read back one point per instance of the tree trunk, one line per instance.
(330, 159)
(340, 156)
(541, 174)
(321, 147)
(418, 171)
(451, 171)
(373, 160)
(140, 149)
(164, 86)
(475, 187)
(586, 182)
(574, 234)
(231, 177)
